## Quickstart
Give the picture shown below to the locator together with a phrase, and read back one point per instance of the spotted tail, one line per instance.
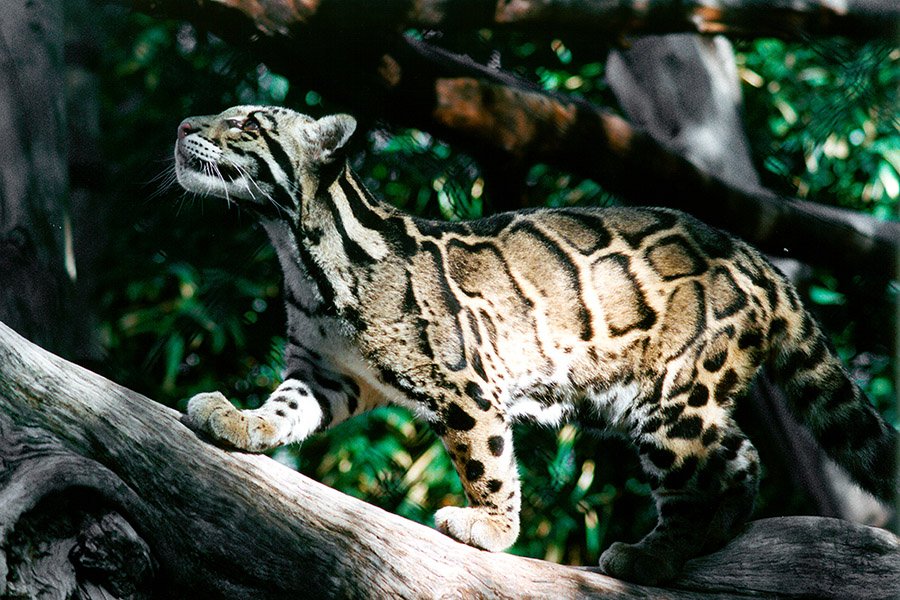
(822, 395)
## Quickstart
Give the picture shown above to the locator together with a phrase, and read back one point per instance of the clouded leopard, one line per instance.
(643, 319)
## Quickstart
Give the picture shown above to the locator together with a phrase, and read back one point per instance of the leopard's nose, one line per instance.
(186, 128)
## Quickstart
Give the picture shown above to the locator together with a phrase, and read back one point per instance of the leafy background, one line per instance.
(190, 292)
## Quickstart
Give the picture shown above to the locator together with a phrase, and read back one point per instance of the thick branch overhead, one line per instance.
(863, 19)
(498, 116)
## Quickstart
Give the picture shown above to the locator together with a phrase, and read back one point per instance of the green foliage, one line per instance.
(825, 116)
(190, 295)
(422, 175)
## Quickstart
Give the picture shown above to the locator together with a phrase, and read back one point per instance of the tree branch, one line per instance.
(862, 19)
(484, 110)
(191, 514)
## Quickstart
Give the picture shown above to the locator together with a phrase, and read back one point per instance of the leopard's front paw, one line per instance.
(638, 564)
(214, 415)
(476, 527)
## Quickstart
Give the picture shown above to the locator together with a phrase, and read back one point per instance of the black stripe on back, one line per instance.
(568, 268)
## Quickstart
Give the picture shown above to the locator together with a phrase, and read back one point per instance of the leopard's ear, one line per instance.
(328, 136)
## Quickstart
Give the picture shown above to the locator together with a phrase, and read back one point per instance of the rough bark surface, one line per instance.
(105, 492)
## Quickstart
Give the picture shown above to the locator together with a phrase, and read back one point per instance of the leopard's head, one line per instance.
(257, 154)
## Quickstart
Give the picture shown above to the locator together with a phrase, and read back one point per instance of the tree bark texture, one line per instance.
(374, 71)
(103, 491)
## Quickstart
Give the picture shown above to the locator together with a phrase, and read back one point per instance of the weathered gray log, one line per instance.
(119, 497)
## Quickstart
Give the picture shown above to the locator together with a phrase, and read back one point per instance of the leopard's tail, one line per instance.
(823, 396)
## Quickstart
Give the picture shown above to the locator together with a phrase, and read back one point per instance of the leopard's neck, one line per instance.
(340, 235)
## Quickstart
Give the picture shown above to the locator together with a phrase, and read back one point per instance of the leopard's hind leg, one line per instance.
(704, 474)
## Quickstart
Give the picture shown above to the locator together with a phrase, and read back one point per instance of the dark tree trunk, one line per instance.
(39, 270)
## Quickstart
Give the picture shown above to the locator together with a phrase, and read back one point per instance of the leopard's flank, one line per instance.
(642, 321)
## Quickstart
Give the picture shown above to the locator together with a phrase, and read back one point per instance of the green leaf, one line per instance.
(825, 297)
(174, 357)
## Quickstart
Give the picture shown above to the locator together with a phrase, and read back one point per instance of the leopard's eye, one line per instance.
(250, 124)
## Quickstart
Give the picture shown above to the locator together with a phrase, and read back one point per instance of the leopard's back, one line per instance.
(562, 304)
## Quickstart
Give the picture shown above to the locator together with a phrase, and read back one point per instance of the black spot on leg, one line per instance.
(473, 390)
(495, 445)
(845, 392)
(715, 362)
(652, 425)
(818, 353)
(494, 486)
(280, 412)
(459, 419)
(687, 428)
(753, 469)
(792, 364)
(778, 327)
(710, 435)
(808, 394)
(292, 405)
(711, 473)
(662, 458)
(699, 395)
(672, 412)
(726, 385)
(474, 470)
(730, 446)
(750, 338)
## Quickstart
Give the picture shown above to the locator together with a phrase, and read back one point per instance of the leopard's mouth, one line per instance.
(207, 167)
